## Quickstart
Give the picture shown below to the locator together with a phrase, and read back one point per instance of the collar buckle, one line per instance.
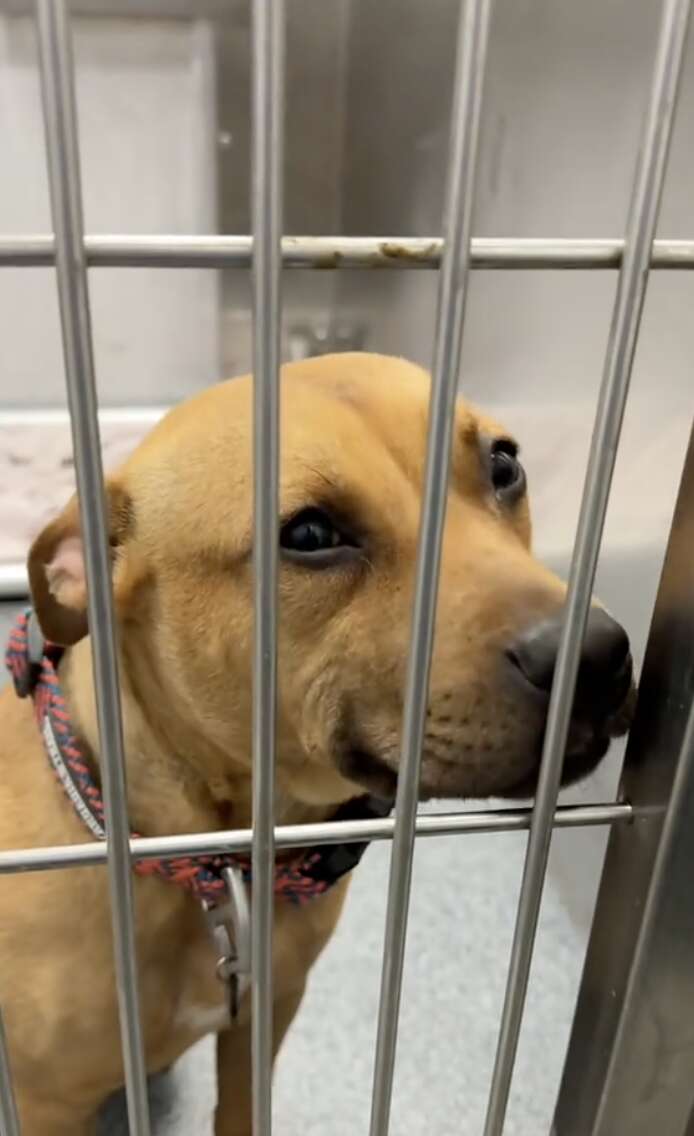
(229, 923)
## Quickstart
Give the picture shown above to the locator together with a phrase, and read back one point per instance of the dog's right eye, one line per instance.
(312, 537)
(507, 474)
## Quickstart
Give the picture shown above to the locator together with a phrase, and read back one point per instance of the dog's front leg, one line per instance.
(39, 1117)
(234, 1111)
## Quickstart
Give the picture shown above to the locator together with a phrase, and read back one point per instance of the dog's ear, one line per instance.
(57, 575)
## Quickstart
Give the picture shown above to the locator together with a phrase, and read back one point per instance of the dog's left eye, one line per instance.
(313, 537)
(508, 476)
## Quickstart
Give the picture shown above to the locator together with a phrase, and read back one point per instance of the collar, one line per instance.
(33, 664)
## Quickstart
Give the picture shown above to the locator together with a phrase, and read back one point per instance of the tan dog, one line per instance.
(353, 447)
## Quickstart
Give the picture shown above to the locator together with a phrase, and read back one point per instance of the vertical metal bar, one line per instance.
(470, 63)
(630, 1064)
(9, 1120)
(266, 205)
(60, 119)
(626, 317)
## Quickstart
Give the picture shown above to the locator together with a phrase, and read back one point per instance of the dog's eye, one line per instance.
(508, 476)
(312, 537)
(310, 531)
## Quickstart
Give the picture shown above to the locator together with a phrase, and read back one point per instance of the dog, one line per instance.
(180, 513)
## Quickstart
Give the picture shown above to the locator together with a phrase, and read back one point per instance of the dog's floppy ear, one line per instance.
(57, 575)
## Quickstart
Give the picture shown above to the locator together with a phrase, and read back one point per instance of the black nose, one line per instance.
(604, 673)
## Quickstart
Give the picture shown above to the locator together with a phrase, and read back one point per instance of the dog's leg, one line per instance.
(46, 1118)
(234, 1116)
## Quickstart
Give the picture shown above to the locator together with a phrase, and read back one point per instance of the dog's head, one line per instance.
(353, 443)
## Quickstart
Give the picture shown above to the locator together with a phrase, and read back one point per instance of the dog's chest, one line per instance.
(182, 995)
(202, 1003)
(184, 979)
(199, 1018)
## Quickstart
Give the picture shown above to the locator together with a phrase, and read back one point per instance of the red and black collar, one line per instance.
(33, 664)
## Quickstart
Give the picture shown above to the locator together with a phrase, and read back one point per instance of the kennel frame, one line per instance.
(72, 253)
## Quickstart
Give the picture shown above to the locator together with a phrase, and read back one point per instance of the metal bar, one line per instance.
(268, 30)
(62, 146)
(176, 251)
(51, 416)
(122, 9)
(9, 1119)
(630, 1065)
(306, 835)
(470, 63)
(626, 317)
(14, 581)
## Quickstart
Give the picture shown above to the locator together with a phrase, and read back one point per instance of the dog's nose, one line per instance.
(604, 673)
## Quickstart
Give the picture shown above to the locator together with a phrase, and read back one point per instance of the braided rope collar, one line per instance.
(33, 664)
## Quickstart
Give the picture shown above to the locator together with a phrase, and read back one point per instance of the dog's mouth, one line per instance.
(578, 764)
(591, 733)
(589, 739)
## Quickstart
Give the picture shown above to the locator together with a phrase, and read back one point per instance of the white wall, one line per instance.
(566, 89)
(147, 128)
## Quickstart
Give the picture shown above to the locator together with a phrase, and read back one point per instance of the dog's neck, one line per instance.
(172, 786)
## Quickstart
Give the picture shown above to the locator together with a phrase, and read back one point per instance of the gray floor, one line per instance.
(462, 913)
(461, 921)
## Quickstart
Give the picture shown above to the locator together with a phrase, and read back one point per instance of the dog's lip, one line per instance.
(576, 765)
(367, 769)
(587, 744)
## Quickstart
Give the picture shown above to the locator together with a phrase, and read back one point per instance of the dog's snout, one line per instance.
(605, 667)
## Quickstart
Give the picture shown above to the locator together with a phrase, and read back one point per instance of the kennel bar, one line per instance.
(629, 1069)
(268, 31)
(473, 31)
(327, 253)
(9, 1121)
(305, 835)
(62, 151)
(621, 346)
(72, 252)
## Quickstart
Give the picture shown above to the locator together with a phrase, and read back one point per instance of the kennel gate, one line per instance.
(627, 983)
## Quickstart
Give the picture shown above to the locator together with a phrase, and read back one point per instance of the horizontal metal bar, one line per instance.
(172, 251)
(46, 417)
(120, 9)
(14, 581)
(306, 835)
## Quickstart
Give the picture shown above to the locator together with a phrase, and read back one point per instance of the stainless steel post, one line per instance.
(630, 1064)
(62, 146)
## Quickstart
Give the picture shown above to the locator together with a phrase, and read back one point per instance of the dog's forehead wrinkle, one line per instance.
(364, 413)
(359, 414)
(322, 476)
(355, 474)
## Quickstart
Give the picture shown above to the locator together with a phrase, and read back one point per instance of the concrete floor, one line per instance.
(463, 907)
(460, 928)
